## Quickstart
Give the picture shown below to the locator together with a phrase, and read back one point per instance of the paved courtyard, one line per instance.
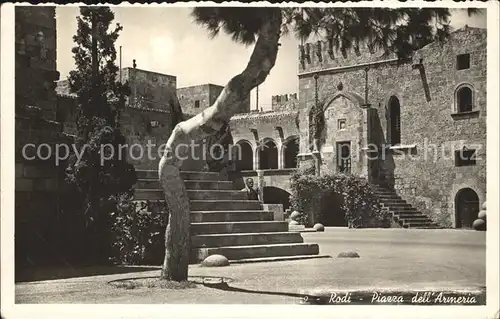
(390, 258)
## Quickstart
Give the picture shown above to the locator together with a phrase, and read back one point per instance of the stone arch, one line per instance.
(267, 154)
(243, 155)
(459, 184)
(463, 98)
(394, 120)
(467, 205)
(276, 195)
(289, 151)
(355, 98)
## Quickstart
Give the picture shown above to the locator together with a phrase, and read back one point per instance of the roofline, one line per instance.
(205, 84)
(153, 72)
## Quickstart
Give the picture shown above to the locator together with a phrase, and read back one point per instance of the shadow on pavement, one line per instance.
(50, 273)
(224, 286)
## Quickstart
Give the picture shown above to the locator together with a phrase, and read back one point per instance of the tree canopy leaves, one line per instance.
(399, 30)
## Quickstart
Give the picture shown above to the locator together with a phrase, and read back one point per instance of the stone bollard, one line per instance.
(319, 227)
(295, 215)
(215, 261)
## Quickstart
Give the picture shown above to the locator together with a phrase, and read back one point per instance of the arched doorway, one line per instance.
(466, 208)
(290, 152)
(331, 211)
(394, 122)
(275, 195)
(268, 155)
(244, 156)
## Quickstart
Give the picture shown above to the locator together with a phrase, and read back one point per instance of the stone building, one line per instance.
(194, 99)
(267, 145)
(148, 118)
(416, 126)
(39, 188)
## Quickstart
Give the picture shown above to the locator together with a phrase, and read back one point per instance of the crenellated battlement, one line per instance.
(314, 56)
(284, 101)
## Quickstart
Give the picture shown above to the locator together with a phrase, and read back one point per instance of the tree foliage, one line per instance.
(357, 199)
(100, 99)
(399, 30)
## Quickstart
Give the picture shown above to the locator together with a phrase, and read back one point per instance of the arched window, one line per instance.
(394, 121)
(290, 152)
(268, 155)
(244, 156)
(464, 99)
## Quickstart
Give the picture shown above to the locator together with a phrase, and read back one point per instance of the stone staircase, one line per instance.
(224, 222)
(403, 213)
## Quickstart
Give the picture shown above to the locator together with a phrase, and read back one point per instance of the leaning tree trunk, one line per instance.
(207, 123)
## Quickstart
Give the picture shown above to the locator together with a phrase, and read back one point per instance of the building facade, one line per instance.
(194, 99)
(147, 120)
(417, 126)
(39, 184)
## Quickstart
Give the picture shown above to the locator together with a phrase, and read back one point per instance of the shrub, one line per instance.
(358, 199)
(138, 232)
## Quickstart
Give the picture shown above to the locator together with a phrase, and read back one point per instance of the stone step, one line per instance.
(255, 251)
(407, 215)
(244, 239)
(387, 196)
(157, 194)
(418, 224)
(397, 210)
(231, 216)
(196, 205)
(216, 194)
(238, 227)
(422, 219)
(187, 175)
(389, 201)
(149, 183)
(208, 185)
(203, 176)
(396, 205)
(279, 258)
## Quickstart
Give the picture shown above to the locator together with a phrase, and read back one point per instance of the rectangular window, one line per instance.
(197, 103)
(154, 124)
(463, 61)
(465, 157)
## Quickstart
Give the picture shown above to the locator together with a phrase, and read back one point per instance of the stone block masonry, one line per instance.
(417, 99)
(194, 99)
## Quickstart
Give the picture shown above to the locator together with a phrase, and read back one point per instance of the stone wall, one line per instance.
(39, 181)
(150, 90)
(145, 130)
(35, 59)
(284, 102)
(425, 87)
(194, 99)
(146, 121)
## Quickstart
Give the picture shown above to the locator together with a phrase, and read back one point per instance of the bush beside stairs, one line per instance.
(224, 222)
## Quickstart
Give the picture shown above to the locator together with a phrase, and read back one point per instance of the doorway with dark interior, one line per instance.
(466, 208)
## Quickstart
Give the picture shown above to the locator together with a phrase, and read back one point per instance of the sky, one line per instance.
(166, 40)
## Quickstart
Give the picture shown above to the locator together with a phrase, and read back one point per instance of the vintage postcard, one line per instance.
(250, 160)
